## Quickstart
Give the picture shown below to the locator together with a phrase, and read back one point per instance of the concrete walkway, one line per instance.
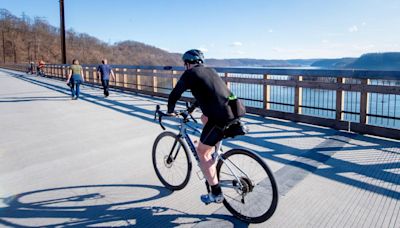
(88, 163)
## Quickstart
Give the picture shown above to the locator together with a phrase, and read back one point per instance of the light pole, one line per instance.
(62, 31)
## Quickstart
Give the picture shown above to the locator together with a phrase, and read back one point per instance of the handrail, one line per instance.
(362, 101)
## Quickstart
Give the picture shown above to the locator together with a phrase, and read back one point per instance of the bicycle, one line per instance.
(40, 72)
(248, 185)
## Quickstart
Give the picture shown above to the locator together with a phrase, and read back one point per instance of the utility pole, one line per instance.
(4, 47)
(62, 30)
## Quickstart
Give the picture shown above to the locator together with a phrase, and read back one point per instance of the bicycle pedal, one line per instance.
(200, 175)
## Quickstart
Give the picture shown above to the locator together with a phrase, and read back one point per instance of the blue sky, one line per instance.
(264, 29)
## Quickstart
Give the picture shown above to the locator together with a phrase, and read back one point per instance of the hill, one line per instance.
(377, 61)
(370, 61)
(333, 63)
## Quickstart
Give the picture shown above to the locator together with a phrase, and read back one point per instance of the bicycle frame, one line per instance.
(231, 175)
(216, 155)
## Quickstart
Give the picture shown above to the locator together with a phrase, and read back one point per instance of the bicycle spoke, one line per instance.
(250, 195)
(228, 173)
(171, 161)
(232, 198)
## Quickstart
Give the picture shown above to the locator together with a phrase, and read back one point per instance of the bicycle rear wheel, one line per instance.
(171, 161)
(254, 197)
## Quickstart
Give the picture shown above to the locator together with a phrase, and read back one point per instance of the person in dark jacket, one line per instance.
(105, 71)
(211, 94)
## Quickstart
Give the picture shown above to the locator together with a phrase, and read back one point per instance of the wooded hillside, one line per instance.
(23, 39)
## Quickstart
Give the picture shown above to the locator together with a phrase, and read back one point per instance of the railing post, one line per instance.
(117, 74)
(138, 85)
(174, 80)
(87, 74)
(339, 100)
(66, 71)
(298, 95)
(363, 101)
(125, 78)
(95, 76)
(226, 75)
(266, 93)
(155, 84)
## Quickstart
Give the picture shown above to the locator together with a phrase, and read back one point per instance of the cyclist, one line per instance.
(211, 94)
(40, 68)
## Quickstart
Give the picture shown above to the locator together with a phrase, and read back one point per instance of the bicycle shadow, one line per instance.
(100, 205)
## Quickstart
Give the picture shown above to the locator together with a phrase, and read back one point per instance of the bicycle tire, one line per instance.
(268, 180)
(162, 176)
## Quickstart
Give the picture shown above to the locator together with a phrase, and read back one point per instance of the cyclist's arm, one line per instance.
(194, 105)
(176, 93)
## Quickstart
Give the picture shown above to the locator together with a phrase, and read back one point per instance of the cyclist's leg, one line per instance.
(207, 164)
(210, 136)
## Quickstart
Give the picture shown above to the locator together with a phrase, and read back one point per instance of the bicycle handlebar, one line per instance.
(160, 115)
(184, 113)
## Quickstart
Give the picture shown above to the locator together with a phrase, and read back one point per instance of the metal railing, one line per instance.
(361, 101)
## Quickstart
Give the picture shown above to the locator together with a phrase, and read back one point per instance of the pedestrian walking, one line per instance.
(104, 71)
(75, 79)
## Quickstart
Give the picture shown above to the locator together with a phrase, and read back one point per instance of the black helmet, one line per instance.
(193, 56)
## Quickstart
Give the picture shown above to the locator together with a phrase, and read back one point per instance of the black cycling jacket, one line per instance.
(209, 90)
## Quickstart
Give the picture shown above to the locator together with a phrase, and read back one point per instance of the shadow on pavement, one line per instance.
(98, 205)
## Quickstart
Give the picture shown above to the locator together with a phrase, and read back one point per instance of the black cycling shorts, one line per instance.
(211, 134)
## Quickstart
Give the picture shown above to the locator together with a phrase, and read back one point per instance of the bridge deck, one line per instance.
(88, 163)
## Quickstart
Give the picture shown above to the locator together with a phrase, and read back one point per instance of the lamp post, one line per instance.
(62, 31)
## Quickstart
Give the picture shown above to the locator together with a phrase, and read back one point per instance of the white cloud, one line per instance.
(270, 31)
(364, 24)
(236, 44)
(353, 28)
(325, 41)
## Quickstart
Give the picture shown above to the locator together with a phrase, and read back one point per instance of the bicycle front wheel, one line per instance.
(249, 187)
(171, 161)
